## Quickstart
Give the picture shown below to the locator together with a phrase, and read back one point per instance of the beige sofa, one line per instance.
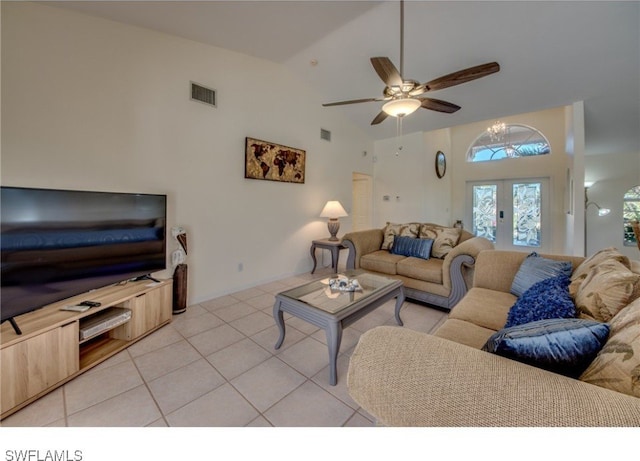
(410, 378)
(441, 280)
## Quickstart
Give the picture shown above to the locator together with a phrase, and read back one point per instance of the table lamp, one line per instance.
(333, 210)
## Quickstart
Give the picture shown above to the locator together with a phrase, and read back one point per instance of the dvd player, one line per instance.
(103, 321)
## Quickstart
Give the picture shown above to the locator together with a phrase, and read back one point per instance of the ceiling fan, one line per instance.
(403, 96)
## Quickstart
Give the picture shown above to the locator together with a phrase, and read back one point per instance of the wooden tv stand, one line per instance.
(49, 352)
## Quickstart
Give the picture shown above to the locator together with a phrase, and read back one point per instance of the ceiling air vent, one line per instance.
(203, 94)
(325, 134)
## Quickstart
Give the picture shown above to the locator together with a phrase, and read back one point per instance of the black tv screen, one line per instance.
(61, 243)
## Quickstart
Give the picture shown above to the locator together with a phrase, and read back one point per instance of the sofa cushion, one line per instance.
(536, 268)
(421, 269)
(381, 261)
(605, 291)
(410, 246)
(617, 366)
(547, 299)
(404, 230)
(463, 332)
(444, 238)
(565, 346)
(484, 307)
(605, 255)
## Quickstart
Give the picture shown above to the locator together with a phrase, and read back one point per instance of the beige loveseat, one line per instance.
(441, 280)
(409, 378)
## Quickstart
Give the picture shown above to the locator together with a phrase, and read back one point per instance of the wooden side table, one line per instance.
(334, 246)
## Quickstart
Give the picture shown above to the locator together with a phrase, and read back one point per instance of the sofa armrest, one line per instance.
(407, 378)
(361, 243)
(471, 247)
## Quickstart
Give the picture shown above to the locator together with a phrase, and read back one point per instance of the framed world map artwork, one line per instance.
(273, 162)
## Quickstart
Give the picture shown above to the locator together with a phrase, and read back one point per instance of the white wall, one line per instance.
(399, 170)
(613, 175)
(574, 243)
(94, 104)
(407, 176)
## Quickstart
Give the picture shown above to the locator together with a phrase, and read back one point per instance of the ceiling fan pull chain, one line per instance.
(399, 134)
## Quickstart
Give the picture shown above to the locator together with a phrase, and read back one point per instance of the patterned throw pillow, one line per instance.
(565, 346)
(605, 291)
(605, 255)
(547, 299)
(534, 269)
(404, 230)
(444, 238)
(617, 366)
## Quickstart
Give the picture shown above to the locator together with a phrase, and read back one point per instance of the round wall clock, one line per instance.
(441, 164)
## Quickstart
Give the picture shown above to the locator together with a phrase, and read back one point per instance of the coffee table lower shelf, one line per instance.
(334, 323)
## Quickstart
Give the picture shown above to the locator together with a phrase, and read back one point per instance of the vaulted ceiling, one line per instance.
(551, 53)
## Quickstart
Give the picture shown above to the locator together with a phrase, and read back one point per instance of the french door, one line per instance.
(513, 214)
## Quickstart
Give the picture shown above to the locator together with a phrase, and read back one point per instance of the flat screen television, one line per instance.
(61, 243)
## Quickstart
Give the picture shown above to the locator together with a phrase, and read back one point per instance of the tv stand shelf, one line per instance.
(49, 352)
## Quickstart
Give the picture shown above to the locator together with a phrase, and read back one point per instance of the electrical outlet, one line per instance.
(240, 267)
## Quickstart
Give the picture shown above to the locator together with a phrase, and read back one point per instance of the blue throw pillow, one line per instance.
(409, 246)
(536, 268)
(548, 299)
(565, 346)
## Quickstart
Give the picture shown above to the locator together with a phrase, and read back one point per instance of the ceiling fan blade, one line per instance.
(379, 118)
(463, 76)
(438, 105)
(387, 71)
(353, 101)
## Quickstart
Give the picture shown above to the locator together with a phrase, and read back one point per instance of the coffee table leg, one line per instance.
(279, 318)
(399, 303)
(334, 337)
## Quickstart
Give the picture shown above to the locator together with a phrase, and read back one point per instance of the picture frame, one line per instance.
(273, 162)
(441, 164)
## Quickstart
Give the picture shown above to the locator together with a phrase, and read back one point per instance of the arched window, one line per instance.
(503, 140)
(630, 212)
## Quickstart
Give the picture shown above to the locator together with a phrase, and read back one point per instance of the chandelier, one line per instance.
(497, 131)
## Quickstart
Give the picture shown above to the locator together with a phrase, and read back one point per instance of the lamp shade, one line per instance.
(401, 107)
(333, 209)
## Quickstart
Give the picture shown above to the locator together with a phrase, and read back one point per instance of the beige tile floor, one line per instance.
(215, 366)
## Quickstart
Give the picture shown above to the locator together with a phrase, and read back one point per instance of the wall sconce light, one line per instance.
(333, 210)
(601, 212)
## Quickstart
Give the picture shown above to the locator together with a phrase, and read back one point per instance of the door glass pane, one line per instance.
(631, 212)
(484, 211)
(526, 214)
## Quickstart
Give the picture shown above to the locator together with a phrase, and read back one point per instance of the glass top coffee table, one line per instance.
(324, 304)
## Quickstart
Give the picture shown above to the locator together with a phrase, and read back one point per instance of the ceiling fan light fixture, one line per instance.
(401, 107)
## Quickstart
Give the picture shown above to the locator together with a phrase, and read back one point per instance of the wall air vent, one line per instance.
(325, 134)
(203, 94)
